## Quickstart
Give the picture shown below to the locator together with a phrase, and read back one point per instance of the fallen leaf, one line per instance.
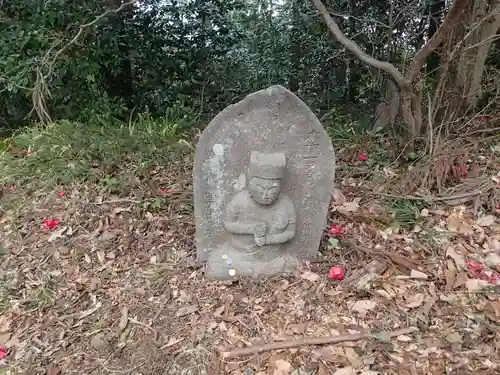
(119, 210)
(486, 221)
(415, 274)
(363, 306)
(5, 323)
(310, 276)
(415, 300)
(459, 259)
(475, 285)
(453, 337)
(345, 371)
(492, 260)
(450, 275)
(322, 369)
(281, 367)
(88, 312)
(101, 256)
(338, 196)
(57, 234)
(53, 370)
(353, 357)
(124, 319)
(461, 279)
(186, 310)
(348, 207)
(459, 224)
(492, 311)
(219, 310)
(171, 342)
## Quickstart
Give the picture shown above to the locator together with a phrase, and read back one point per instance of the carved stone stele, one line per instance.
(263, 176)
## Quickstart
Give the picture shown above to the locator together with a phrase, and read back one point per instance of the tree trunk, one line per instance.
(411, 85)
(295, 49)
(434, 10)
(464, 63)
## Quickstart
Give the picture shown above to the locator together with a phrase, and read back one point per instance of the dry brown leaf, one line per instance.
(171, 342)
(5, 323)
(119, 210)
(492, 260)
(415, 274)
(123, 319)
(186, 310)
(101, 256)
(459, 259)
(461, 279)
(280, 367)
(415, 300)
(475, 285)
(219, 310)
(492, 310)
(298, 328)
(459, 224)
(353, 357)
(363, 306)
(338, 196)
(322, 369)
(349, 207)
(57, 234)
(450, 275)
(310, 276)
(486, 221)
(345, 371)
(53, 370)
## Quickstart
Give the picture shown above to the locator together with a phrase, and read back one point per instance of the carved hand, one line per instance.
(260, 229)
(260, 241)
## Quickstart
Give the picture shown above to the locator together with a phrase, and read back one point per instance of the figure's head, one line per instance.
(265, 174)
(264, 191)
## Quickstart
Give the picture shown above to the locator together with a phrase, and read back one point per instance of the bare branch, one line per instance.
(441, 33)
(316, 341)
(81, 29)
(356, 50)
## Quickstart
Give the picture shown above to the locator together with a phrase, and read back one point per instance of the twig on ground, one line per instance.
(316, 341)
(434, 198)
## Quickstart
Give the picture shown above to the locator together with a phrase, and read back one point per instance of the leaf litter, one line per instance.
(87, 297)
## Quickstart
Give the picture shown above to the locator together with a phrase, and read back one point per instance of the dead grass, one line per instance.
(114, 289)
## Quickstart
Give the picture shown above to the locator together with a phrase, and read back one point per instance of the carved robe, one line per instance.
(241, 252)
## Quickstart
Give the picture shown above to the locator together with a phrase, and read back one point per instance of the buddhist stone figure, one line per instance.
(259, 221)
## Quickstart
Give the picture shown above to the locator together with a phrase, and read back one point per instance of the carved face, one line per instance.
(264, 191)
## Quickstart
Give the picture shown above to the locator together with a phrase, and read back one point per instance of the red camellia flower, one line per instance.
(336, 230)
(336, 273)
(363, 156)
(51, 223)
(62, 193)
(164, 191)
(3, 352)
(475, 268)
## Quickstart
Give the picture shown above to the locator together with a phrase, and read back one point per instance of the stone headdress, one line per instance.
(267, 165)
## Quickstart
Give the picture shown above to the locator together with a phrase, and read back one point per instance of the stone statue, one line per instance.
(263, 176)
(259, 220)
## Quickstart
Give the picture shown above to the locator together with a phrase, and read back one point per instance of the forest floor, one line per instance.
(97, 271)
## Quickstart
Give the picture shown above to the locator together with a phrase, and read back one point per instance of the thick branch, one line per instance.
(356, 50)
(449, 21)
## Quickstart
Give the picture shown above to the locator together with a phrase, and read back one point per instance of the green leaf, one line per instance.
(333, 243)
